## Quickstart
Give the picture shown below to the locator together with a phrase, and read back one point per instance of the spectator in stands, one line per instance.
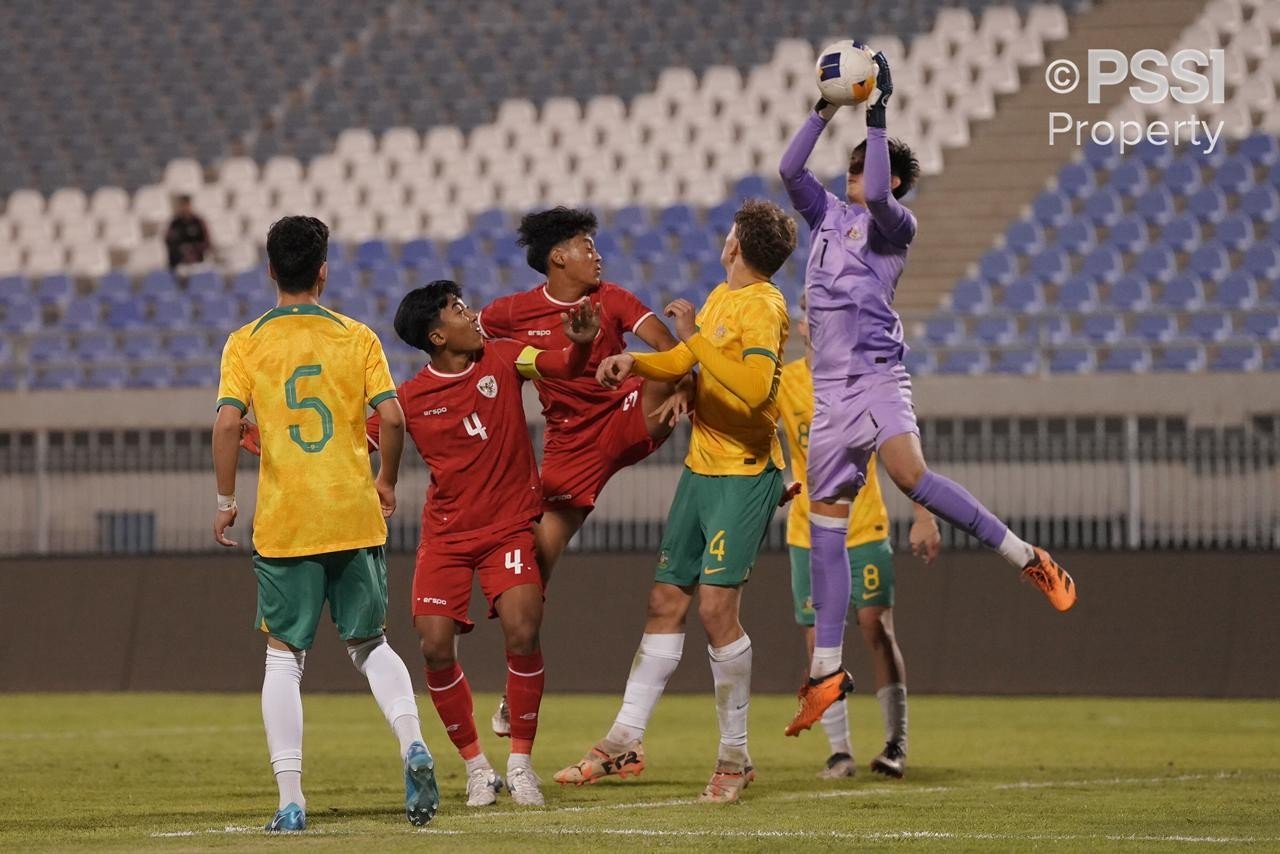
(187, 236)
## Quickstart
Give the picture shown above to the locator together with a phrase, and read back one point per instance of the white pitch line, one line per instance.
(870, 836)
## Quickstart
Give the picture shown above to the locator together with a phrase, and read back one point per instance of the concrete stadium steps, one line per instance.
(1008, 160)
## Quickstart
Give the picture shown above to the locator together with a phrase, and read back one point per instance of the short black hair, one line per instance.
(766, 235)
(419, 312)
(902, 164)
(542, 231)
(297, 247)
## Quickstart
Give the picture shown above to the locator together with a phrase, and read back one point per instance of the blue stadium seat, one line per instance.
(55, 290)
(182, 347)
(1182, 293)
(1016, 360)
(1104, 264)
(14, 288)
(1076, 179)
(1025, 237)
(1180, 358)
(1262, 149)
(1052, 208)
(1208, 326)
(96, 347)
(1156, 205)
(201, 374)
(50, 347)
(677, 219)
(720, 217)
(1129, 179)
(126, 316)
(607, 244)
(82, 314)
(341, 280)
(158, 283)
(57, 377)
(920, 362)
(1130, 234)
(1024, 296)
(1209, 204)
(1183, 234)
(671, 275)
(1101, 328)
(1239, 290)
(1072, 360)
(252, 284)
(943, 330)
(463, 249)
(1210, 262)
(699, 247)
(1271, 359)
(105, 377)
(1184, 175)
(1078, 294)
(1263, 324)
(970, 296)
(219, 312)
(363, 305)
(1263, 261)
(491, 224)
(1261, 203)
(19, 314)
(141, 345)
(1156, 263)
(1235, 231)
(648, 247)
(1152, 326)
(1126, 359)
(633, 219)
(751, 187)
(967, 361)
(419, 252)
(998, 266)
(156, 375)
(204, 282)
(114, 286)
(1155, 156)
(1234, 175)
(1077, 236)
(338, 253)
(11, 377)
(624, 271)
(373, 253)
(996, 330)
(1103, 158)
(391, 280)
(1236, 357)
(1104, 207)
(1053, 265)
(1130, 293)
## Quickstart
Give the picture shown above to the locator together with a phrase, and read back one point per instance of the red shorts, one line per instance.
(443, 572)
(576, 466)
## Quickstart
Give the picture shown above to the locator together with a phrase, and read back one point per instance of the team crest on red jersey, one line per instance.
(488, 386)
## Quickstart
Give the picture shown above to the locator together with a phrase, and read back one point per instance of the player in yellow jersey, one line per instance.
(726, 497)
(871, 563)
(318, 535)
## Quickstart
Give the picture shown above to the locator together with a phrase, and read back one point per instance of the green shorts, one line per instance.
(716, 527)
(871, 567)
(292, 592)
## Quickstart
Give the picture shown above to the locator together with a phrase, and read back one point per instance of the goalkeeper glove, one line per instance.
(880, 97)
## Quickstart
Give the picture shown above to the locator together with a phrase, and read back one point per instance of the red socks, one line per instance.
(525, 680)
(451, 694)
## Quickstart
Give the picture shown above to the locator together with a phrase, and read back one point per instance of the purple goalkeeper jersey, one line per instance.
(856, 255)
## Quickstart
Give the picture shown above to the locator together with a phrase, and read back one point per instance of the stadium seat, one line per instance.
(1025, 238)
(373, 253)
(419, 252)
(105, 377)
(1261, 203)
(82, 314)
(183, 346)
(1183, 234)
(1104, 207)
(204, 282)
(970, 296)
(1016, 360)
(1208, 326)
(633, 220)
(1072, 360)
(1126, 359)
(49, 347)
(1156, 263)
(1155, 156)
(1234, 175)
(1052, 208)
(699, 247)
(1129, 179)
(1210, 262)
(55, 290)
(1103, 264)
(1053, 265)
(57, 377)
(1078, 294)
(996, 329)
(1236, 357)
(463, 249)
(96, 347)
(1153, 327)
(491, 224)
(11, 377)
(1262, 261)
(158, 284)
(1180, 358)
(1263, 324)
(1103, 158)
(202, 374)
(943, 330)
(1024, 296)
(920, 362)
(1261, 149)
(141, 346)
(1078, 235)
(1130, 234)
(19, 315)
(1076, 180)
(966, 361)
(1182, 293)
(1209, 204)
(1184, 175)
(157, 375)
(648, 247)
(998, 266)
(1156, 205)
(1235, 231)
(1239, 290)
(677, 219)
(1101, 328)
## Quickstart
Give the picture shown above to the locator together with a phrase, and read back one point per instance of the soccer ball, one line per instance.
(846, 73)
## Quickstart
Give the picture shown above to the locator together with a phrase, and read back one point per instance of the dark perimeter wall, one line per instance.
(1196, 624)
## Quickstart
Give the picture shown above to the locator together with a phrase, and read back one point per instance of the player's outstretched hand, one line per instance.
(880, 96)
(685, 317)
(614, 369)
(789, 494)
(582, 322)
(250, 438)
(386, 496)
(675, 407)
(222, 520)
(926, 540)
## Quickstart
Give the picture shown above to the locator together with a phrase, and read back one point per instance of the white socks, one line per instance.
(835, 722)
(1016, 551)
(655, 661)
(391, 686)
(826, 660)
(893, 702)
(518, 760)
(475, 763)
(282, 719)
(731, 668)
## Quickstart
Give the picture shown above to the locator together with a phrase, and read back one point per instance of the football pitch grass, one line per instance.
(189, 772)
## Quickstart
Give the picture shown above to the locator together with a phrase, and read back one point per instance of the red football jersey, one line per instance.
(533, 317)
(471, 431)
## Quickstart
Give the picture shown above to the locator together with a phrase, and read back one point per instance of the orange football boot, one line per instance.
(599, 763)
(816, 696)
(1053, 581)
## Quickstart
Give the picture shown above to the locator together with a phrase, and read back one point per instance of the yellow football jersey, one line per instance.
(869, 520)
(730, 437)
(309, 374)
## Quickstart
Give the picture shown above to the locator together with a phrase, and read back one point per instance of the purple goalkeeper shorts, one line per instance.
(851, 419)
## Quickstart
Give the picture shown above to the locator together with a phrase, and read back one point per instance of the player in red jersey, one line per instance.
(465, 414)
(592, 432)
